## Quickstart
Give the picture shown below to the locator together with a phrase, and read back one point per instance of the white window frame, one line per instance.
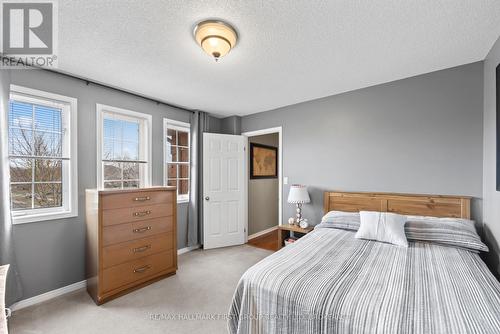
(145, 141)
(182, 126)
(70, 174)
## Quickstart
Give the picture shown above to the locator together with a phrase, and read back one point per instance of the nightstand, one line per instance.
(285, 229)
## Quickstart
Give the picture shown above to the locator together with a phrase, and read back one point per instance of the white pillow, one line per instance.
(382, 226)
(3, 278)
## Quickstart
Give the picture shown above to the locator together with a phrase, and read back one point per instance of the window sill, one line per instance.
(35, 218)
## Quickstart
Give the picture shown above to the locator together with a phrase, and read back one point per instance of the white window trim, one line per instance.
(182, 126)
(70, 196)
(101, 109)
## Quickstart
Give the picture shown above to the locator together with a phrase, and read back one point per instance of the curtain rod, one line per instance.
(89, 81)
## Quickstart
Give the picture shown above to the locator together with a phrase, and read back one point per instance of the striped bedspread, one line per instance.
(330, 282)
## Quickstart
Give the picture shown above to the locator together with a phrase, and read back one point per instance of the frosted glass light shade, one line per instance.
(298, 194)
(216, 38)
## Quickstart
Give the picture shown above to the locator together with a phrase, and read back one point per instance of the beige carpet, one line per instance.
(204, 284)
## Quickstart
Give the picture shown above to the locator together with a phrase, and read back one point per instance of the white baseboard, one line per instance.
(258, 234)
(48, 295)
(67, 289)
(187, 249)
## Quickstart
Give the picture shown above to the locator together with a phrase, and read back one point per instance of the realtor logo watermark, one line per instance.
(29, 34)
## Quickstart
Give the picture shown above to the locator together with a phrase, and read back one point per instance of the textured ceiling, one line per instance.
(289, 51)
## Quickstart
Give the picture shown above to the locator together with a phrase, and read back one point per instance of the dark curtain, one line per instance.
(199, 125)
(7, 256)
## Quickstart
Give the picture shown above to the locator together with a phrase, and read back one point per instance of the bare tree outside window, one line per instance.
(121, 153)
(35, 154)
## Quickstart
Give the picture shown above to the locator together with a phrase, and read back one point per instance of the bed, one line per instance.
(330, 282)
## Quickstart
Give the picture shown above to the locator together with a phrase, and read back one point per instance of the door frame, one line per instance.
(279, 131)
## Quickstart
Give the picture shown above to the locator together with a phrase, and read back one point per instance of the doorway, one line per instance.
(264, 192)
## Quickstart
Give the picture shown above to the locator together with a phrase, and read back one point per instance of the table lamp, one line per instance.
(298, 195)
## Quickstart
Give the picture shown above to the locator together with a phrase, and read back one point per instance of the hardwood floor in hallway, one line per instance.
(267, 241)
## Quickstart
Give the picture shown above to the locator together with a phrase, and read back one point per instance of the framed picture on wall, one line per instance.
(498, 127)
(263, 161)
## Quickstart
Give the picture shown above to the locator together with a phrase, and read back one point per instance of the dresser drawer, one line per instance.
(134, 199)
(124, 215)
(136, 230)
(132, 250)
(122, 274)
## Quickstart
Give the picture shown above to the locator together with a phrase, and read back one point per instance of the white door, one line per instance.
(224, 190)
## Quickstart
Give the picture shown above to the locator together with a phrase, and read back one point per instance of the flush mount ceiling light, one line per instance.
(216, 38)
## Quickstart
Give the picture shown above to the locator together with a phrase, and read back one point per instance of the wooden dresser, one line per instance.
(131, 239)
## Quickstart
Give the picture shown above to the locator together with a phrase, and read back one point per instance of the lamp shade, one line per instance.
(298, 194)
(216, 38)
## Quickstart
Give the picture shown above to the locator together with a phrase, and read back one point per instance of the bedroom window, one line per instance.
(124, 148)
(42, 155)
(177, 149)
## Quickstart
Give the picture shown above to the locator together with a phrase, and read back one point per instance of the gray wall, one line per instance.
(418, 135)
(51, 254)
(491, 196)
(231, 125)
(263, 197)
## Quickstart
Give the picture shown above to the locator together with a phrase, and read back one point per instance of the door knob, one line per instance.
(207, 198)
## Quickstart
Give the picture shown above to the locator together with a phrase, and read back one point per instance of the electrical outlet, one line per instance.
(285, 180)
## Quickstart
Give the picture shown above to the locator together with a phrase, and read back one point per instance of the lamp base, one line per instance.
(298, 216)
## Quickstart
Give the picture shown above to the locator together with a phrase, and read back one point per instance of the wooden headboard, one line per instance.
(407, 204)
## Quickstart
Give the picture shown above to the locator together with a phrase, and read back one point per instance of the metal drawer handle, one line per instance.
(142, 269)
(142, 199)
(141, 249)
(142, 213)
(142, 229)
